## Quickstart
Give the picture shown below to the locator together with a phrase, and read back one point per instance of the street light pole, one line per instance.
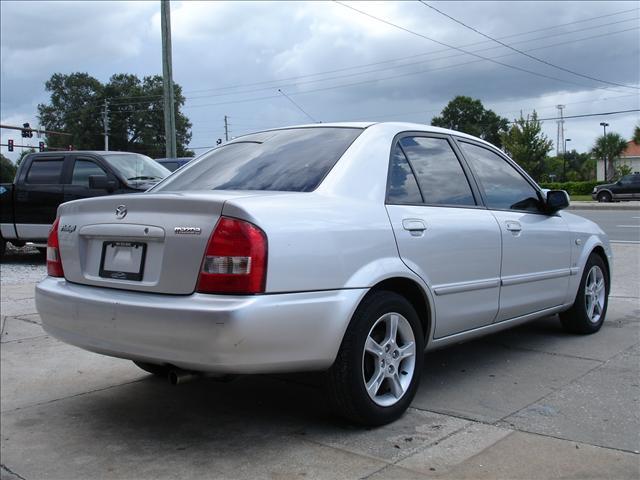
(604, 126)
(564, 160)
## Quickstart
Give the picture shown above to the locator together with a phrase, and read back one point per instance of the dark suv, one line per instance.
(627, 188)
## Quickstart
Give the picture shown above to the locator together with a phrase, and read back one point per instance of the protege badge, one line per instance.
(187, 230)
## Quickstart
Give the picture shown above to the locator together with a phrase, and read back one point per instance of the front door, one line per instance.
(441, 233)
(83, 168)
(536, 247)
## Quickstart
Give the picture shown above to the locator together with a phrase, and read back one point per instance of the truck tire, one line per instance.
(3, 247)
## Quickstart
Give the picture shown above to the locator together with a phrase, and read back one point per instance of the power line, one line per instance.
(298, 106)
(438, 51)
(482, 57)
(540, 60)
(155, 98)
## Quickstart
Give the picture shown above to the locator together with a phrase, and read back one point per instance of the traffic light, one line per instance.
(41, 146)
(10, 145)
(26, 131)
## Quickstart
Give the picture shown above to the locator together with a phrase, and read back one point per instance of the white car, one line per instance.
(350, 248)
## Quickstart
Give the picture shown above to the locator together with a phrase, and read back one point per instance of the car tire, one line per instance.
(153, 368)
(371, 351)
(589, 310)
(604, 197)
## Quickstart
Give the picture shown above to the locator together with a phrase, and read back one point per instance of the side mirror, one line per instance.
(556, 200)
(101, 182)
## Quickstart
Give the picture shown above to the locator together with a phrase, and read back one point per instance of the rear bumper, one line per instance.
(215, 333)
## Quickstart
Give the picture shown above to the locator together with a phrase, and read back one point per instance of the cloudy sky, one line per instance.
(336, 63)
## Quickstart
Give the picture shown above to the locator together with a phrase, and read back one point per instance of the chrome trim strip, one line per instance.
(575, 271)
(534, 277)
(33, 231)
(8, 231)
(466, 286)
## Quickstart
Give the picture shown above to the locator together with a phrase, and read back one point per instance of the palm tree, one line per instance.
(609, 147)
(636, 135)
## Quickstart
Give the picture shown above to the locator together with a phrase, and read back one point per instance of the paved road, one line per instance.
(620, 225)
(532, 402)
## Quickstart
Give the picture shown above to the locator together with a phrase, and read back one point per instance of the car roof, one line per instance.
(399, 126)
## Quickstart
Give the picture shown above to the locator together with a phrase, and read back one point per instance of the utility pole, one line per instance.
(560, 134)
(226, 129)
(167, 76)
(604, 126)
(105, 122)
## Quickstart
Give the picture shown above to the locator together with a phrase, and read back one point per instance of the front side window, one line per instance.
(45, 171)
(82, 169)
(134, 166)
(403, 186)
(440, 176)
(293, 160)
(504, 187)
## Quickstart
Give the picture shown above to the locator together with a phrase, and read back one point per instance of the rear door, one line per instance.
(536, 248)
(81, 168)
(38, 193)
(441, 232)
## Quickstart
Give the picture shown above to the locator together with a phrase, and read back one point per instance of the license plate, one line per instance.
(123, 260)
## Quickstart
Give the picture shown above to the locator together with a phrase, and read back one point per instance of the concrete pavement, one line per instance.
(531, 402)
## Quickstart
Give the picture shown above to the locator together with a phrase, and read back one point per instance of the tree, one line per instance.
(609, 148)
(136, 120)
(468, 115)
(636, 135)
(527, 145)
(7, 170)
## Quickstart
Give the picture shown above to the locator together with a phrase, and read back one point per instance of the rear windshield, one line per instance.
(292, 160)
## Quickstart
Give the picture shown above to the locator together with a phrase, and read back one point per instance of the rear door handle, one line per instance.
(513, 226)
(414, 226)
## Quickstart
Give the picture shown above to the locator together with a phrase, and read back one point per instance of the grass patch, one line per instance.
(581, 198)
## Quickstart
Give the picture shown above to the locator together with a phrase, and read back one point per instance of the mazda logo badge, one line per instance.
(121, 211)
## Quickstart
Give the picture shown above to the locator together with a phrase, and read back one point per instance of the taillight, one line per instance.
(54, 262)
(235, 260)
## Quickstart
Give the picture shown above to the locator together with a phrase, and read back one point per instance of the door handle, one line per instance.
(414, 226)
(513, 226)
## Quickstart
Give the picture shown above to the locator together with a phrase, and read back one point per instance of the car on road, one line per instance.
(627, 188)
(346, 248)
(172, 164)
(45, 180)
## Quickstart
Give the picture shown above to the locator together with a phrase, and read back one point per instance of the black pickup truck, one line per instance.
(45, 180)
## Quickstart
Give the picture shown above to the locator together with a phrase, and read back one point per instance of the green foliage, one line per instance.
(636, 135)
(572, 166)
(468, 115)
(527, 145)
(609, 147)
(623, 169)
(572, 188)
(136, 113)
(7, 170)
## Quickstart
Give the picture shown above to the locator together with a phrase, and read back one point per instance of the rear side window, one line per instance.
(82, 169)
(294, 160)
(504, 187)
(45, 171)
(403, 187)
(440, 175)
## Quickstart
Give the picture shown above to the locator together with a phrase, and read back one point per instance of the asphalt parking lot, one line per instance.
(531, 402)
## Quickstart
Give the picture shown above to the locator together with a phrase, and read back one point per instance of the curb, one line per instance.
(602, 206)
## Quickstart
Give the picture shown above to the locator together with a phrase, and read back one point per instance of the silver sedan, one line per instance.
(350, 248)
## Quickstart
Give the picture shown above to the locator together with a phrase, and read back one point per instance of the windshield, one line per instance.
(133, 166)
(292, 160)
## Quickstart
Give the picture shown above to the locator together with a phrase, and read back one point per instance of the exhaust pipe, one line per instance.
(177, 376)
